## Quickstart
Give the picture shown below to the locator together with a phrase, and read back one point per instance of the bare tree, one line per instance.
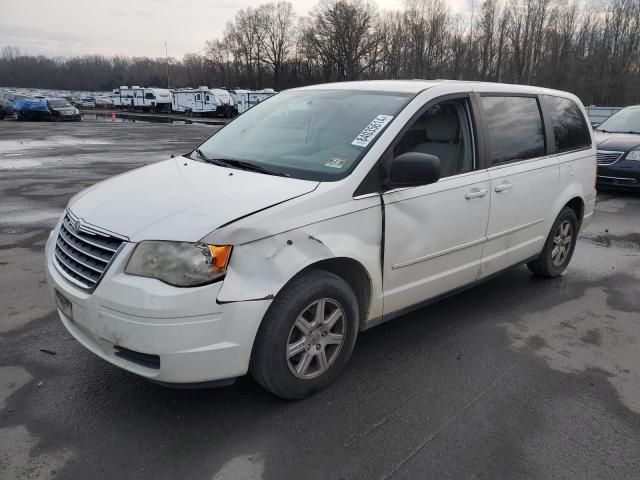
(277, 22)
(590, 48)
(343, 33)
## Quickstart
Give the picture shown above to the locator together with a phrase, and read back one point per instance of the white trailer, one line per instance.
(203, 101)
(117, 102)
(245, 99)
(143, 98)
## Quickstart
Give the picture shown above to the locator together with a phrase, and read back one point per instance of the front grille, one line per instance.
(606, 157)
(83, 253)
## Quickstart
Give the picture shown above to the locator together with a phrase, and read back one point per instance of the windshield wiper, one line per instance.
(239, 164)
(242, 165)
(202, 155)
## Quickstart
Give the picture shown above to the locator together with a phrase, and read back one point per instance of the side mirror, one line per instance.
(412, 169)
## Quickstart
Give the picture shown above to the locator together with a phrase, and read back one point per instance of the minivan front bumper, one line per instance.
(166, 334)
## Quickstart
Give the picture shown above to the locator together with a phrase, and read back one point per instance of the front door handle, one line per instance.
(475, 193)
(504, 187)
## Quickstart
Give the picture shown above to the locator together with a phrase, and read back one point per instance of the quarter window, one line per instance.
(569, 126)
(515, 128)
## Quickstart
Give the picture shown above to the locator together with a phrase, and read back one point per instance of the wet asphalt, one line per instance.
(516, 378)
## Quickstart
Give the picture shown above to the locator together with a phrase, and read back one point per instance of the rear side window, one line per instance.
(515, 128)
(569, 126)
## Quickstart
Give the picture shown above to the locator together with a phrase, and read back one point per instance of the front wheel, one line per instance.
(307, 336)
(559, 247)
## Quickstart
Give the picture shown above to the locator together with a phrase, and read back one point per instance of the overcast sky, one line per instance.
(131, 27)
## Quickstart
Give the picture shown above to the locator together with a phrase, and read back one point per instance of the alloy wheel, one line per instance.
(316, 338)
(562, 243)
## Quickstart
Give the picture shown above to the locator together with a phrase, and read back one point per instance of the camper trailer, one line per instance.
(245, 99)
(142, 98)
(117, 100)
(203, 101)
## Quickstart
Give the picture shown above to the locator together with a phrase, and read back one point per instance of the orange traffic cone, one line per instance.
(113, 117)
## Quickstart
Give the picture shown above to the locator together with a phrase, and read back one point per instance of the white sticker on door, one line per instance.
(369, 133)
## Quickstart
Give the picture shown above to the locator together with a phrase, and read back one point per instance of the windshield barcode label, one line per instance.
(370, 132)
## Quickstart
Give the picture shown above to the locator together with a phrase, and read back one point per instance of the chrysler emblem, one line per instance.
(77, 226)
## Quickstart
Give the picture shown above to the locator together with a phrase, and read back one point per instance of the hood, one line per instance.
(617, 142)
(181, 199)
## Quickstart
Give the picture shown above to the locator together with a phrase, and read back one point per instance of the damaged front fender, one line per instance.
(258, 270)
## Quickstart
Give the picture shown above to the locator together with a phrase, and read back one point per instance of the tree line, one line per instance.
(589, 47)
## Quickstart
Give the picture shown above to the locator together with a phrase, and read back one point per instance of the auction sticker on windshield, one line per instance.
(335, 162)
(369, 133)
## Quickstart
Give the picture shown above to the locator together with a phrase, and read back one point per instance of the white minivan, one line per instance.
(320, 212)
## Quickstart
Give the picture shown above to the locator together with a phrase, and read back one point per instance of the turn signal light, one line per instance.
(220, 255)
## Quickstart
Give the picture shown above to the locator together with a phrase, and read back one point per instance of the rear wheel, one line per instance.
(559, 247)
(307, 336)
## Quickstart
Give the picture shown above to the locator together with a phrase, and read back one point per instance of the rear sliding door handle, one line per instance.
(504, 187)
(475, 193)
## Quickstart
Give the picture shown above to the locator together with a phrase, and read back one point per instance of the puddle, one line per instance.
(107, 118)
(606, 239)
(148, 118)
(19, 163)
(16, 215)
(20, 456)
(248, 467)
(587, 333)
(19, 147)
(611, 205)
(12, 379)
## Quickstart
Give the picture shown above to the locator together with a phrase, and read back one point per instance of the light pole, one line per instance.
(166, 59)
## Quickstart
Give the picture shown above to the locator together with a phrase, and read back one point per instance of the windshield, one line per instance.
(310, 134)
(626, 120)
(59, 103)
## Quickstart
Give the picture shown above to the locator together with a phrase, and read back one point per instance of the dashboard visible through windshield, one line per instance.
(309, 134)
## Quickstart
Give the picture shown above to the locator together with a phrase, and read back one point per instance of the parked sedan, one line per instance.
(62, 110)
(618, 140)
(88, 102)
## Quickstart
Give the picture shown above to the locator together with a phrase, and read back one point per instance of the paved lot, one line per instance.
(516, 378)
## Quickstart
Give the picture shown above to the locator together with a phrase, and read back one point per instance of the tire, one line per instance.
(564, 233)
(318, 359)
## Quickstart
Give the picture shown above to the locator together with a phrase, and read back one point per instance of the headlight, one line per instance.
(181, 264)
(633, 155)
